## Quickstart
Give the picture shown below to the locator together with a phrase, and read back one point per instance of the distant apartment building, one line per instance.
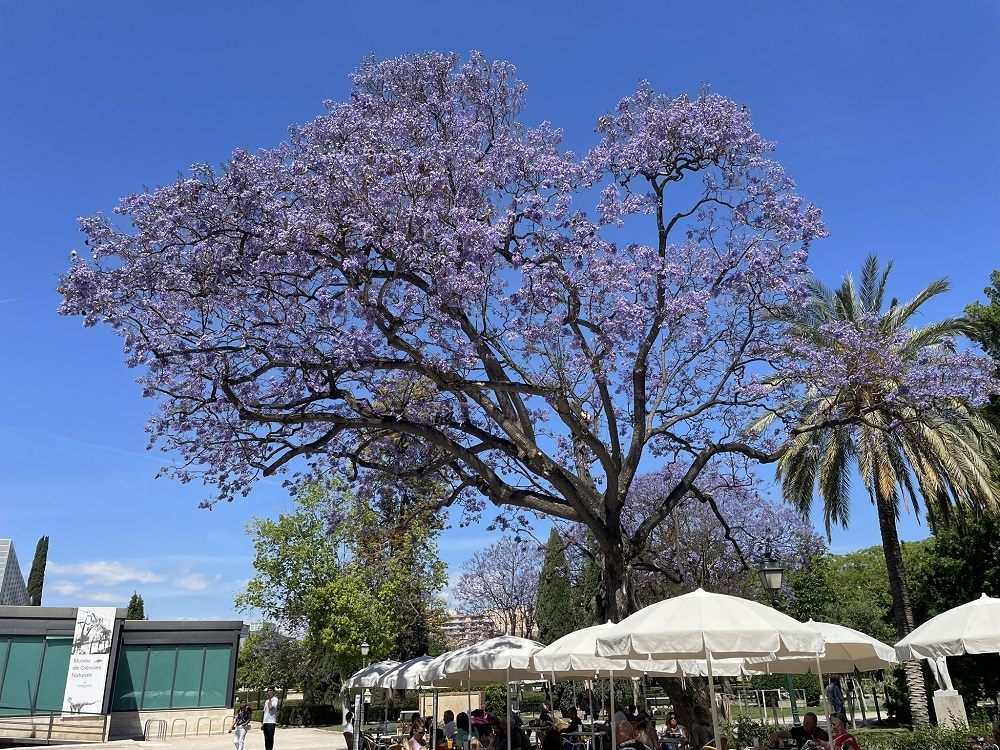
(12, 589)
(464, 628)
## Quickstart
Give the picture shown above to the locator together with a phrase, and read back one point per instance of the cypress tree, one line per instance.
(36, 578)
(554, 606)
(136, 609)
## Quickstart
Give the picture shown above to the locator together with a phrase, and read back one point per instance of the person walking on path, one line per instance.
(835, 695)
(270, 720)
(349, 729)
(241, 725)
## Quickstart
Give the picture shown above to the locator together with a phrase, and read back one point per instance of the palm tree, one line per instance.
(941, 450)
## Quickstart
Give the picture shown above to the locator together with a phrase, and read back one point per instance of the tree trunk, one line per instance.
(901, 606)
(618, 598)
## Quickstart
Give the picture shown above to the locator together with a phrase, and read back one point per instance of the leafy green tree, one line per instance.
(961, 563)
(136, 608)
(269, 658)
(293, 556)
(555, 610)
(36, 578)
(943, 453)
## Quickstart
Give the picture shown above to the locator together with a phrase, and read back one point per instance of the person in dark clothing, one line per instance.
(809, 730)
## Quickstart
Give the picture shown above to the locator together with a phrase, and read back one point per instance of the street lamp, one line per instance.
(367, 695)
(772, 573)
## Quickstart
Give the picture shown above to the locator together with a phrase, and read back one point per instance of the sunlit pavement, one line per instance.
(292, 738)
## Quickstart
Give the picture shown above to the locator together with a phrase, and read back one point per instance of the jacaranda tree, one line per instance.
(418, 263)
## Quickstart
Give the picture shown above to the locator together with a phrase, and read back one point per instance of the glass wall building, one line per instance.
(154, 666)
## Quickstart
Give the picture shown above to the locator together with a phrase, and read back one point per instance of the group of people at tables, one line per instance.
(634, 730)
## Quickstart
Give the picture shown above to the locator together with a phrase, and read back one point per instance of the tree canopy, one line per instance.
(418, 272)
(136, 608)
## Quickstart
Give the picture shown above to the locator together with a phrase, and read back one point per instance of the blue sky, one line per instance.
(885, 113)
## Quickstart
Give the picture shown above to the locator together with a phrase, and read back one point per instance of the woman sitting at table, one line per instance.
(645, 732)
(544, 717)
(416, 739)
(552, 740)
(674, 729)
(461, 728)
(842, 739)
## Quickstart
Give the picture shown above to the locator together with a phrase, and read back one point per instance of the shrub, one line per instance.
(304, 716)
(929, 738)
(745, 730)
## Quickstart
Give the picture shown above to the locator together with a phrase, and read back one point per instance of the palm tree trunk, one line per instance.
(901, 606)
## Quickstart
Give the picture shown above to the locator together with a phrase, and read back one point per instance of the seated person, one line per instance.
(701, 732)
(480, 724)
(645, 732)
(809, 730)
(544, 717)
(461, 728)
(673, 728)
(552, 740)
(625, 735)
(575, 724)
(641, 712)
(842, 739)
(448, 728)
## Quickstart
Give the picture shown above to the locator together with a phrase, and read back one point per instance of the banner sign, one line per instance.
(88, 661)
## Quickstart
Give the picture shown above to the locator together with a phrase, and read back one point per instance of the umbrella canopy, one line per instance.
(972, 628)
(499, 659)
(845, 650)
(405, 676)
(368, 677)
(702, 625)
(573, 655)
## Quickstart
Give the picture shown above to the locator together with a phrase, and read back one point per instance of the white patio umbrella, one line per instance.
(405, 676)
(845, 649)
(368, 677)
(702, 625)
(971, 628)
(503, 658)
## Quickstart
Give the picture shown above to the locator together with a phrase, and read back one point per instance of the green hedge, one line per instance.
(304, 716)
(930, 738)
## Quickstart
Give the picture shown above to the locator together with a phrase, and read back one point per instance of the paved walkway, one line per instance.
(290, 738)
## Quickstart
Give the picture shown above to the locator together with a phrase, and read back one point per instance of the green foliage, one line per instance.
(302, 716)
(745, 730)
(807, 682)
(268, 658)
(960, 563)
(925, 738)
(292, 557)
(136, 608)
(36, 578)
(555, 610)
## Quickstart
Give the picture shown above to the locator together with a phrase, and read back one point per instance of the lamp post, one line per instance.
(365, 648)
(772, 573)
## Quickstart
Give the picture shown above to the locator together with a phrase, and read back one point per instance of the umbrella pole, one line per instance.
(822, 692)
(510, 723)
(611, 718)
(715, 709)
(468, 687)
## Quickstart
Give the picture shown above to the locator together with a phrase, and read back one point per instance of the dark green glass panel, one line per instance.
(55, 667)
(21, 678)
(129, 679)
(159, 677)
(215, 681)
(187, 679)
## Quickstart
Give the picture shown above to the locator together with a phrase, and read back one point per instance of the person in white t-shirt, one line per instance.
(270, 720)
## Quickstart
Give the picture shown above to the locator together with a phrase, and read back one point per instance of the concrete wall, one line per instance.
(56, 727)
(195, 721)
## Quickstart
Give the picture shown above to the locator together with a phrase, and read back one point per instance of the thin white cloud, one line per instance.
(66, 588)
(104, 572)
(191, 581)
(104, 597)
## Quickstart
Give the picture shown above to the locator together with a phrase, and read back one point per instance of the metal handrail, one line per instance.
(161, 729)
(174, 723)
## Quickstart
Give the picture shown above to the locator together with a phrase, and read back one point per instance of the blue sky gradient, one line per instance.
(885, 113)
